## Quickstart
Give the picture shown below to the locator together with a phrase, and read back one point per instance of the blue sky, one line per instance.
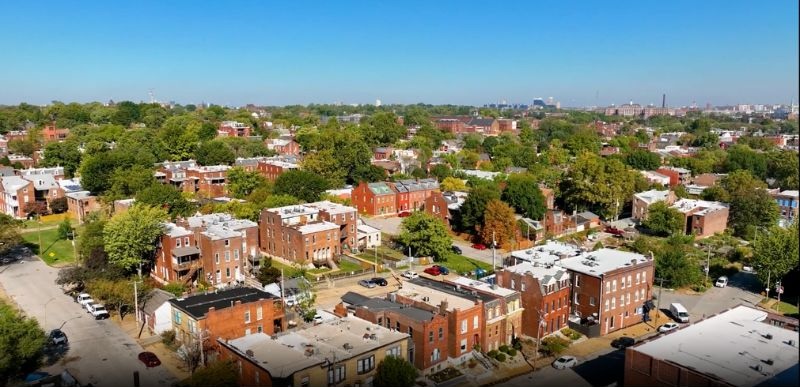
(287, 52)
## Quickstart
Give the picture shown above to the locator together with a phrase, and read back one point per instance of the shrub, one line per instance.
(517, 343)
(504, 348)
(493, 353)
(571, 333)
(512, 352)
(175, 288)
(168, 338)
(501, 357)
(553, 345)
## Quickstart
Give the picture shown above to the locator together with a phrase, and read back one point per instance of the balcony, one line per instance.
(185, 258)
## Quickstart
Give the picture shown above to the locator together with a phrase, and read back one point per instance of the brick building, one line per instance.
(16, 194)
(51, 133)
(382, 153)
(445, 205)
(226, 314)
(427, 329)
(677, 176)
(411, 194)
(173, 172)
(207, 181)
(609, 289)
(345, 217)
(486, 126)
(272, 168)
(283, 146)
(787, 202)
(754, 352)
(703, 218)
(643, 200)
(338, 352)
(557, 223)
(506, 125)
(450, 125)
(233, 129)
(374, 199)
(80, 204)
(502, 312)
(299, 234)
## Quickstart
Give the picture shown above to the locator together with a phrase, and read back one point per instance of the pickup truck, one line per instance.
(84, 299)
(97, 310)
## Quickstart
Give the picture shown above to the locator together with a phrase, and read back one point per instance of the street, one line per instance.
(743, 288)
(99, 352)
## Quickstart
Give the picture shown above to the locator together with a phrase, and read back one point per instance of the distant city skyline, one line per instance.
(465, 53)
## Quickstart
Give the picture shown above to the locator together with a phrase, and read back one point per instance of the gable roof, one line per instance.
(157, 297)
(197, 306)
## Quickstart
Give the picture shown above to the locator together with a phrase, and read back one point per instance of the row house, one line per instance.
(427, 329)
(345, 217)
(653, 177)
(374, 199)
(557, 222)
(51, 133)
(450, 125)
(16, 135)
(24, 161)
(485, 126)
(506, 125)
(226, 314)
(445, 205)
(80, 204)
(283, 146)
(502, 312)
(607, 130)
(298, 233)
(703, 218)
(382, 153)
(3, 146)
(341, 351)
(272, 168)
(463, 308)
(643, 200)
(677, 176)
(16, 194)
(173, 172)
(56, 172)
(609, 290)
(249, 164)
(208, 181)
(411, 194)
(233, 129)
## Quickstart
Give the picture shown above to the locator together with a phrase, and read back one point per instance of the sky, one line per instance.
(460, 52)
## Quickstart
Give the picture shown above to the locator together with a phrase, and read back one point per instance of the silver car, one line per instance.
(366, 284)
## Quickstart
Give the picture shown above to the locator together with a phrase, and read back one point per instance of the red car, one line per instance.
(433, 270)
(614, 231)
(479, 246)
(149, 359)
(404, 214)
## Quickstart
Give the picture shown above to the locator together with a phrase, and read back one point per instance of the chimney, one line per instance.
(443, 306)
(633, 262)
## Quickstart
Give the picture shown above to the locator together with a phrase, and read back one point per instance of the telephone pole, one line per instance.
(658, 307)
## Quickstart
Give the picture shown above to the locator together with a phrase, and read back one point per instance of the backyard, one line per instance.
(54, 251)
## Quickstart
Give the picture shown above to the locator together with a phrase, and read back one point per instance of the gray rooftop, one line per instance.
(380, 304)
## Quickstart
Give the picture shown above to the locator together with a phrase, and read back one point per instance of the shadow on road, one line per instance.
(604, 370)
(745, 281)
(54, 353)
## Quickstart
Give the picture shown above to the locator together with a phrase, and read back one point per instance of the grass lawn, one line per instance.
(462, 264)
(47, 221)
(54, 251)
(291, 272)
(347, 266)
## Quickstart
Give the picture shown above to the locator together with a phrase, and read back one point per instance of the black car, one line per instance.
(456, 249)
(57, 337)
(379, 281)
(623, 342)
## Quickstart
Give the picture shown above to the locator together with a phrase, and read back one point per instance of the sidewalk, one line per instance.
(588, 348)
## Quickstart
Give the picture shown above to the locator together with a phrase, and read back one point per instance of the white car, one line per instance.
(410, 274)
(721, 282)
(565, 362)
(317, 320)
(84, 299)
(98, 311)
(668, 327)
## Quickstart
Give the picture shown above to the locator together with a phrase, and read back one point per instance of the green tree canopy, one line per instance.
(10, 236)
(22, 341)
(663, 219)
(241, 183)
(742, 157)
(304, 185)
(471, 212)
(214, 152)
(602, 185)
(130, 237)
(522, 192)
(65, 154)
(165, 196)
(751, 206)
(426, 235)
(675, 268)
(775, 253)
(395, 372)
(643, 160)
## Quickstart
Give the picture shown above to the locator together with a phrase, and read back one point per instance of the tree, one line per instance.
(164, 196)
(241, 183)
(325, 164)
(10, 236)
(775, 252)
(58, 205)
(522, 192)
(23, 342)
(499, 224)
(602, 185)
(126, 182)
(96, 171)
(663, 220)
(471, 212)
(395, 372)
(130, 237)
(784, 167)
(675, 268)
(223, 373)
(643, 160)
(268, 274)
(441, 171)
(64, 229)
(304, 185)
(453, 184)
(38, 208)
(117, 294)
(214, 152)
(65, 154)
(368, 173)
(742, 157)
(426, 235)
(751, 206)
(22, 146)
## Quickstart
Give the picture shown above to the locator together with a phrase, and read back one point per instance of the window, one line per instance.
(614, 286)
(227, 242)
(463, 326)
(641, 294)
(628, 299)
(260, 329)
(219, 276)
(441, 333)
(394, 351)
(622, 283)
(177, 317)
(247, 332)
(228, 272)
(178, 242)
(577, 280)
(463, 345)
(247, 317)
(227, 256)
(474, 322)
(613, 303)
(216, 258)
(522, 286)
(644, 276)
(621, 300)
(186, 241)
(630, 283)
(397, 326)
(636, 296)
(575, 299)
(607, 305)
(638, 278)
(513, 284)
(366, 364)
(546, 308)
(259, 314)
(608, 287)
(336, 374)
(591, 301)
(435, 355)
(236, 255)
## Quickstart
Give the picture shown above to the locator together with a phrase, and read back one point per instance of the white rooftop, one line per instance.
(42, 171)
(175, 231)
(220, 225)
(332, 208)
(481, 174)
(210, 168)
(601, 261)
(367, 229)
(687, 205)
(293, 211)
(13, 183)
(339, 338)
(310, 228)
(547, 253)
(730, 346)
(652, 196)
(546, 274)
(483, 286)
(78, 195)
(432, 296)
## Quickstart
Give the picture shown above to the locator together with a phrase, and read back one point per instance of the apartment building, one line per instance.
(643, 200)
(343, 351)
(226, 314)
(207, 181)
(80, 204)
(56, 172)
(486, 126)
(177, 257)
(283, 146)
(703, 218)
(787, 202)
(51, 133)
(411, 194)
(450, 125)
(656, 178)
(502, 312)
(427, 330)
(609, 289)
(345, 217)
(677, 176)
(16, 194)
(173, 172)
(3, 146)
(233, 129)
(298, 233)
(463, 309)
(375, 199)
(271, 168)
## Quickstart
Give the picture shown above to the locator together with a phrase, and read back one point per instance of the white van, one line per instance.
(679, 312)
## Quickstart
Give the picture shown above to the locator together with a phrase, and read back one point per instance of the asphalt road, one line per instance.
(99, 352)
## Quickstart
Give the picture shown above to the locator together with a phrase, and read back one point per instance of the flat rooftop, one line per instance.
(548, 253)
(339, 339)
(652, 196)
(546, 274)
(735, 346)
(332, 208)
(483, 286)
(310, 228)
(417, 291)
(602, 261)
(293, 211)
(688, 205)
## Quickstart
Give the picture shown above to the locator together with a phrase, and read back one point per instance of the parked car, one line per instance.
(380, 281)
(443, 270)
(83, 299)
(98, 311)
(57, 337)
(149, 359)
(366, 283)
(456, 249)
(479, 246)
(721, 282)
(404, 214)
(410, 274)
(668, 327)
(679, 312)
(614, 231)
(565, 362)
(317, 320)
(433, 270)
(623, 342)
(747, 269)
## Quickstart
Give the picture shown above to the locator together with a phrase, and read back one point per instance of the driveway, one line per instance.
(99, 351)
(742, 288)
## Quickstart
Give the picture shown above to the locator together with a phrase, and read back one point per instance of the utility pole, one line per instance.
(538, 336)
(708, 263)
(769, 274)
(39, 231)
(779, 290)
(136, 299)
(74, 246)
(376, 260)
(658, 307)
(494, 266)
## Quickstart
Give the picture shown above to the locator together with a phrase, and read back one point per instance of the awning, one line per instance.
(185, 251)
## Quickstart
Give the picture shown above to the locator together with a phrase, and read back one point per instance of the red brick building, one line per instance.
(703, 218)
(345, 217)
(677, 176)
(208, 181)
(609, 290)
(271, 169)
(411, 194)
(374, 199)
(450, 125)
(16, 194)
(299, 234)
(502, 312)
(51, 133)
(233, 129)
(382, 153)
(437, 205)
(283, 146)
(80, 204)
(506, 125)
(485, 126)
(556, 222)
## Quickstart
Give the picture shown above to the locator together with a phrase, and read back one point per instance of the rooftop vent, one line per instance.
(768, 336)
(249, 353)
(347, 346)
